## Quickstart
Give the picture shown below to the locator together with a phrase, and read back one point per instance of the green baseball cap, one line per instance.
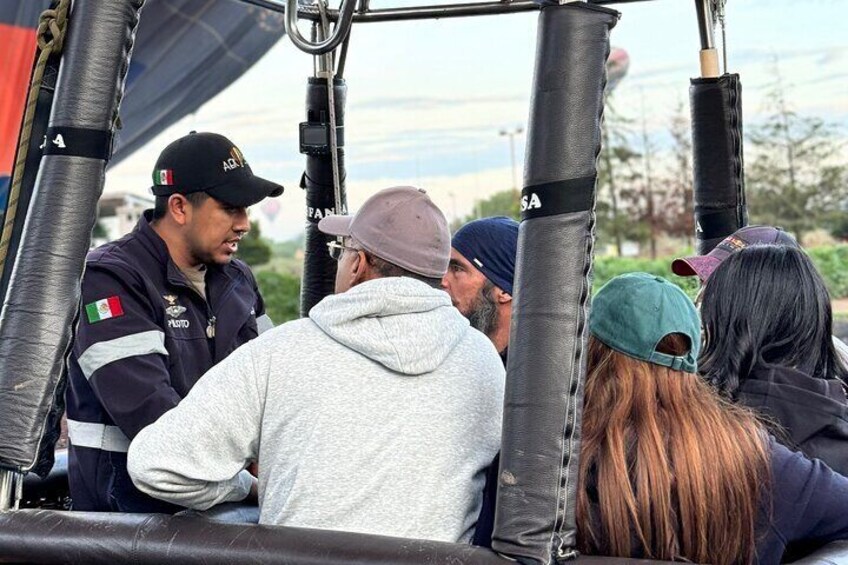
(632, 313)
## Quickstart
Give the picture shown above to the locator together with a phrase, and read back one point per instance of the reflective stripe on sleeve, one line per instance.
(97, 436)
(264, 323)
(105, 352)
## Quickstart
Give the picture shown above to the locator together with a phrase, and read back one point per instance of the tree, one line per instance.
(629, 207)
(503, 203)
(839, 230)
(622, 205)
(651, 216)
(253, 248)
(99, 232)
(606, 177)
(288, 248)
(281, 293)
(676, 203)
(796, 178)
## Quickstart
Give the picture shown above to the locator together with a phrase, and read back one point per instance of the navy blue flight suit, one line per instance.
(145, 336)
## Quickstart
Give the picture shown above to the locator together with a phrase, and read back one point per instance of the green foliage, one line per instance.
(253, 248)
(99, 231)
(281, 293)
(839, 226)
(606, 268)
(279, 280)
(287, 249)
(832, 263)
(281, 290)
(503, 203)
(291, 266)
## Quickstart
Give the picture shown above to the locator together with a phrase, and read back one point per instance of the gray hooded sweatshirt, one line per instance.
(377, 414)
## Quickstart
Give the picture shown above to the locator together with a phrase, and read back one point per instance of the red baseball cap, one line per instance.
(704, 265)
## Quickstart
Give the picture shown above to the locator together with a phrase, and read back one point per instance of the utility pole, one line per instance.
(511, 134)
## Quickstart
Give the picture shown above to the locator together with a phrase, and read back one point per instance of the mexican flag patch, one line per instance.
(104, 309)
(163, 177)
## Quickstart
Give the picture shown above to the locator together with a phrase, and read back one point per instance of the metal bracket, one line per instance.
(365, 14)
(323, 46)
(11, 483)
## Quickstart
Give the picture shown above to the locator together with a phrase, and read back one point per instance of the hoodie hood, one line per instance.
(399, 322)
(812, 411)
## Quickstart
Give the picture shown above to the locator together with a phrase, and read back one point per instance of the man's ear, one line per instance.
(179, 208)
(361, 270)
(501, 296)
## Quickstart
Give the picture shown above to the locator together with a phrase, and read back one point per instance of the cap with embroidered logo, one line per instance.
(210, 163)
(704, 265)
(632, 313)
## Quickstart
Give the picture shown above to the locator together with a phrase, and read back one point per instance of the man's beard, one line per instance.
(483, 314)
(202, 255)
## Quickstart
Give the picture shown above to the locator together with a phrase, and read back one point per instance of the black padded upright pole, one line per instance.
(537, 484)
(319, 270)
(720, 207)
(40, 308)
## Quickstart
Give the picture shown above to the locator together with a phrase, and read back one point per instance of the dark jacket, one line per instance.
(809, 507)
(812, 412)
(486, 520)
(145, 336)
(804, 508)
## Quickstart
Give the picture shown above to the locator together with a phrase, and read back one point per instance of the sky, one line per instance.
(426, 100)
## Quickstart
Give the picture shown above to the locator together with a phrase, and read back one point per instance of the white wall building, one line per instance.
(118, 214)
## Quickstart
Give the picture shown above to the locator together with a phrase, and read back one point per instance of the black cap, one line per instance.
(210, 163)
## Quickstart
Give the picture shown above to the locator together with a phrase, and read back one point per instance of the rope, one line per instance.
(720, 14)
(52, 25)
(331, 100)
(717, 9)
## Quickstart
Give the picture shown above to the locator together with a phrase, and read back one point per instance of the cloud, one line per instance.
(770, 55)
(430, 102)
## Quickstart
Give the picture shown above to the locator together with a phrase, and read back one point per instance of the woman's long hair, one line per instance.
(668, 469)
(766, 305)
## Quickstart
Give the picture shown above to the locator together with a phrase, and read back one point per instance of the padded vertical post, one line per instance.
(537, 486)
(720, 205)
(319, 270)
(40, 308)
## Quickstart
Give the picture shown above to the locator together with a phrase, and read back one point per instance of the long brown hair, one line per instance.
(668, 469)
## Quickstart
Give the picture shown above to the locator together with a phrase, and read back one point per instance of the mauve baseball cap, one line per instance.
(400, 225)
(704, 265)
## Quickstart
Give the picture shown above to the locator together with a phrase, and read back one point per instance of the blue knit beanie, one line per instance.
(490, 244)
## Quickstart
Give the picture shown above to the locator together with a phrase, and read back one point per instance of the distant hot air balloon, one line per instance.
(617, 64)
(271, 208)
